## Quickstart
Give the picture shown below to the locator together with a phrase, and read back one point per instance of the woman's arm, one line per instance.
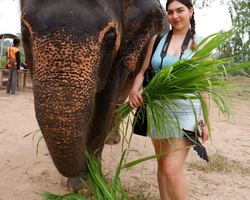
(208, 100)
(135, 98)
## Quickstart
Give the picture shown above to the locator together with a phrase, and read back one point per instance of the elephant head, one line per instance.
(83, 56)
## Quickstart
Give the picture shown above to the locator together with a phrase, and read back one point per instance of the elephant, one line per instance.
(83, 56)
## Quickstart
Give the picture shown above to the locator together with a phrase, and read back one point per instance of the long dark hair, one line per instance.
(189, 5)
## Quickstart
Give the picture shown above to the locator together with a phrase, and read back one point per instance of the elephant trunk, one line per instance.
(63, 121)
(64, 84)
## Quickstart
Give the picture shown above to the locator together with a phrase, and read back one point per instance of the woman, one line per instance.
(171, 180)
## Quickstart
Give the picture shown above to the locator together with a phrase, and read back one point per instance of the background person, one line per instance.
(14, 69)
(171, 180)
(24, 65)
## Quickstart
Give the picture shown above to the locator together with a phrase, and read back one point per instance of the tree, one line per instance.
(7, 43)
(204, 3)
(240, 15)
(238, 46)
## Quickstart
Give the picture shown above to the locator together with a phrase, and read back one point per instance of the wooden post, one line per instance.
(1, 54)
(21, 80)
(24, 79)
(1, 78)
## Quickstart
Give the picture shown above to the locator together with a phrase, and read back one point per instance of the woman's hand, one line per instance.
(135, 99)
(205, 133)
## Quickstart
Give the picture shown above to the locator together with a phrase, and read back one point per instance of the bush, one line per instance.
(3, 62)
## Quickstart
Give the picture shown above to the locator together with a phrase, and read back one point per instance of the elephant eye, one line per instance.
(111, 34)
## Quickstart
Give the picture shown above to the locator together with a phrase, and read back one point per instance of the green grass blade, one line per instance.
(116, 178)
(130, 164)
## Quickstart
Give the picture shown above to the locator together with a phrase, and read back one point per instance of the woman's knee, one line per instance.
(169, 168)
(172, 173)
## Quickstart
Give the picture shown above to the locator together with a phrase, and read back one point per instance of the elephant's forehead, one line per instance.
(78, 19)
(60, 54)
(68, 47)
(62, 43)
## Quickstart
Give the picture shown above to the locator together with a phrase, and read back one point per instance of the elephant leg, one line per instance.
(75, 184)
(115, 138)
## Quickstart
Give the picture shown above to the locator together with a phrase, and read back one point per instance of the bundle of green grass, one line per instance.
(99, 189)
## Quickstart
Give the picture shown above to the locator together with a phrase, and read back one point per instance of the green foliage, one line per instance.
(240, 15)
(7, 43)
(238, 46)
(69, 196)
(3, 62)
(203, 3)
(99, 189)
(33, 139)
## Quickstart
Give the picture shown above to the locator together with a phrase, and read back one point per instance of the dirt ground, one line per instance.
(226, 177)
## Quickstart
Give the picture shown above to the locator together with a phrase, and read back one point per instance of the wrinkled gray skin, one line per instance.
(83, 56)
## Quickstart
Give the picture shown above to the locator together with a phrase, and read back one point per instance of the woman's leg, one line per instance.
(171, 180)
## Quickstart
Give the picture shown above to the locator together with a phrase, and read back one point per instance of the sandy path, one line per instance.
(22, 173)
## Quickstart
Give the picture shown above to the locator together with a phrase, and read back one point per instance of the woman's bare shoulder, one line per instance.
(199, 38)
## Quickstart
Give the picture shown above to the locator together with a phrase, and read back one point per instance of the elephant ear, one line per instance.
(141, 20)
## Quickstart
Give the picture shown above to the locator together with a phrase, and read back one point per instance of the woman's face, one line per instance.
(179, 15)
